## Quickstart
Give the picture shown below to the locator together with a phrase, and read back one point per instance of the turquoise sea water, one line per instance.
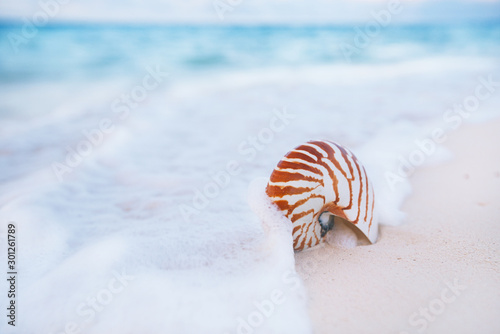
(90, 52)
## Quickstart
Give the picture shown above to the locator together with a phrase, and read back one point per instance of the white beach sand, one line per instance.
(438, 272)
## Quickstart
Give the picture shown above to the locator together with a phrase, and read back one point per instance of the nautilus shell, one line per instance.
(316, 184)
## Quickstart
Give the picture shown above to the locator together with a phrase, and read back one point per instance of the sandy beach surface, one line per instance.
(436, 273)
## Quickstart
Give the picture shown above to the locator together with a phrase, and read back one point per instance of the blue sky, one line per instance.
(248, 11)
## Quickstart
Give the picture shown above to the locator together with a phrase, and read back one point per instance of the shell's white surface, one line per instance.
(321, 176)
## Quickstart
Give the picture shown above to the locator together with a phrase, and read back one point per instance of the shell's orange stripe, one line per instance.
(344, 154)
(317, 147)
(316, 236)
(269, 193)
(277, 191)
(284, 176)
(282, 205)
(297, 216)
(327, 148)
(310, 242)
(296, 240)
(298, 166)
(360, 190)
(332, 158)
(305, 235)
(333, 177)
(295, 229)
(302, 201)
(336, 162)
(367, 193)
(311, 150)
(298, 155)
